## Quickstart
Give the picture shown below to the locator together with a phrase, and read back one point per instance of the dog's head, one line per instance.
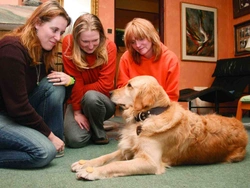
(141, 93)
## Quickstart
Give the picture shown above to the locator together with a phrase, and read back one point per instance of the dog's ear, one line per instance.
(145, 98)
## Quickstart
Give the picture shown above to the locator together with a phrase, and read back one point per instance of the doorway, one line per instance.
(126, 10)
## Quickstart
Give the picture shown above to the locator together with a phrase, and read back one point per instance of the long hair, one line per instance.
(27, 32)
(140, 28)
(84, 23)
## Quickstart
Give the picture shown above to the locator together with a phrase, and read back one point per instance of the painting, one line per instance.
(241, 33)
(199, 33)
(241, 8)
(13, 16)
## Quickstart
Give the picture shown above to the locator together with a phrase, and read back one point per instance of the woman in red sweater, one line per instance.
(91, 59)
(146, 55)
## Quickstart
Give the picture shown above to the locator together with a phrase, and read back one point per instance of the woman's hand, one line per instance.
(81, 120)
(59, 78)
(58, 143)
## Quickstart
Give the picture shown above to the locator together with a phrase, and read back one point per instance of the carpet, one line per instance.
(58, 174)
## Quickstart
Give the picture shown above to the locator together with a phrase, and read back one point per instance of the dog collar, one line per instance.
(154, 111)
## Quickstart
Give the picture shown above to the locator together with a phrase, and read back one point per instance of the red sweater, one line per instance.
(100, 78)
(166, 70)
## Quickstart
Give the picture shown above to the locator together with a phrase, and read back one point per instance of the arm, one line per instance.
(105, 79)
(172, 79)
(77, 90)
(70, 68)
(123, 71)
(16, 82)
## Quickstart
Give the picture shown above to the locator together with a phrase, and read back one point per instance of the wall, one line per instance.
(192, 73)
(106, 14)
(195, 73)
(199, 73)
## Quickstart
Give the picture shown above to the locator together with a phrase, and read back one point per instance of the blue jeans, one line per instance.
(97, 107)
(24, 147)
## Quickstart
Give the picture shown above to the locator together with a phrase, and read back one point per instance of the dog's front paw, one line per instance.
(78, 165)
(88, 173)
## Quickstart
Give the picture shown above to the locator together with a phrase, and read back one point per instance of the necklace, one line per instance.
(38, 71)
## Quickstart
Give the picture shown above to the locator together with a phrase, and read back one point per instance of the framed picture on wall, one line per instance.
(241, 8)
(241, 35)
(199, 32)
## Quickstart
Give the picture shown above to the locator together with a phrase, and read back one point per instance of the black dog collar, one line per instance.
(154, 111)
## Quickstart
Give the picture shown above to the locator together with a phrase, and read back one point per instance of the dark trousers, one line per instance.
(97, 107)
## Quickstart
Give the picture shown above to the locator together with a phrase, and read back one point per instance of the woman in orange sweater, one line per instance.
(146, 55)
(91, 59)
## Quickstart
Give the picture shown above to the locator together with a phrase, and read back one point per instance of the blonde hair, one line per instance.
(140, 28)
(84, 23)
(27, 33)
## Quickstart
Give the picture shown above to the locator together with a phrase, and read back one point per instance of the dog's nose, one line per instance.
(110, 93)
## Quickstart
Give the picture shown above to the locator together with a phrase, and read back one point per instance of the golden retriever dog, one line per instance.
(160, 133)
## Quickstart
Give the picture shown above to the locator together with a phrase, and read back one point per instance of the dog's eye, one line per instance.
(129, 85)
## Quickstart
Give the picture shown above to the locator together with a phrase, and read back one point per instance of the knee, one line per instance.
(55, 94)
(44, 156)
(58, 94)
(90, 97)
(52, 90)
(77, 141)
(91, 100)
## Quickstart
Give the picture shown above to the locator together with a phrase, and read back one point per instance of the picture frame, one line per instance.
(240, 8)
(241, 33)
(199, 32)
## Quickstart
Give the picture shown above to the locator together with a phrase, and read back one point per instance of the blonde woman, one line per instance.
(91, 59)
(31, 96)
(147, 55)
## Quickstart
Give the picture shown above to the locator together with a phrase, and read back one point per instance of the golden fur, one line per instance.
(174, 137)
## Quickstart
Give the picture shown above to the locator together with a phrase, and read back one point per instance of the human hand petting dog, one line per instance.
(59, 78)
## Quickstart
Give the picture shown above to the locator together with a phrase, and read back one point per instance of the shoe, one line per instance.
(108, 127)
(102, 141)
(59, 154)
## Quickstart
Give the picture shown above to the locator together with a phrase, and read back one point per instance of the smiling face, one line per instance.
(89, 41)
(49, 33)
